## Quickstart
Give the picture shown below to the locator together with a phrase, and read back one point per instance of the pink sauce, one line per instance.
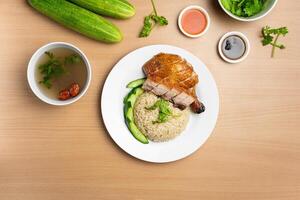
(193, 21)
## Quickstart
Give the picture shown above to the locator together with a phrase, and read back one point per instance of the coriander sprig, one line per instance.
(269, 34)
(151, 20)
(164, 111)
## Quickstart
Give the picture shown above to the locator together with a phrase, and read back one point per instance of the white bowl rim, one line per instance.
(243, 19)
(247, 43)
(201, 9)
(32, 66)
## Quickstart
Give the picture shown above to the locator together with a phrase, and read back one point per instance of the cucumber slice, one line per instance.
(129, 102)
(136, 83)
(136, 90)
(126, 107)
(137, 133)
(129, 114)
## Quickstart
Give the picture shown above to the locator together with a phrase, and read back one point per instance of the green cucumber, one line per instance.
(128, 114)
(136, 83)
(137, 133)
(133, 91)
(120, 9)
(135, 94)
(78, 19)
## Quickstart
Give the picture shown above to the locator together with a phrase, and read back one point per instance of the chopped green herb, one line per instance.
(72, 59)
(54, 68)
(164, 110)
(244, 8)
(269, 34)
(151, 20)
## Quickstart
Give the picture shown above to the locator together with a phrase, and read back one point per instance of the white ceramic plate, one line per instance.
(199, 128)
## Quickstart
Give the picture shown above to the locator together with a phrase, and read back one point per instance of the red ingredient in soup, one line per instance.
(64, 95)
(74, 89)
(193, 21)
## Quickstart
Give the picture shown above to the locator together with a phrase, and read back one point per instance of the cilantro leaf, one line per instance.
(49, 54)
(145, 32)
(54, 68)
(269, 34)
(151, 20)
(72, 59)
(267, 40)
(160, 19)
(165, 111)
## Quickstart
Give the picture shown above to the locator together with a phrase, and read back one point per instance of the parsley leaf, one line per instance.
(151, 20)
(269, 34)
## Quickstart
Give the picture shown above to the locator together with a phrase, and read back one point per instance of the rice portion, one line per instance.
(158, 132)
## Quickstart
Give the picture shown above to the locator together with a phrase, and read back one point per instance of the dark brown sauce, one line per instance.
(233, 47)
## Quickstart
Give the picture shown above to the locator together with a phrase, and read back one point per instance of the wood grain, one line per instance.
(65, 153)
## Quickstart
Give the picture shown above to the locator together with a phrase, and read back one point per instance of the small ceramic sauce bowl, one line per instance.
(34, 84)
(193, 21)
(234, 47)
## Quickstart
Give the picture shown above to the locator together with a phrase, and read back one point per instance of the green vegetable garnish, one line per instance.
(72, 59)
(164, 110)
(244, 8)
(151, 20)
(54, 68)
(269, 34)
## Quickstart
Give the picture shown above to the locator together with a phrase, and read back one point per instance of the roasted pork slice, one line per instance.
(160, 90)
(171, 94)
(149, 85)
(156, 88)
(172, 78)
(183, 99)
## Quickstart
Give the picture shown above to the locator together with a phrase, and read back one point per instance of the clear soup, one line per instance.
(74, 73)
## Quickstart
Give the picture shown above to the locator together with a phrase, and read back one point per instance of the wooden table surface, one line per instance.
(64, 153)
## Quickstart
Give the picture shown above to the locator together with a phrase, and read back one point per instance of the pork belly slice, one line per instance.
(183, 99)
(160, 90)
(180, 99)
(188, 100)
(171, 94)
(156, 88)
(149, 85)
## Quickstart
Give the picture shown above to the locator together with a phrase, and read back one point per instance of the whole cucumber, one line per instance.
(120, 9)
(78, 19)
